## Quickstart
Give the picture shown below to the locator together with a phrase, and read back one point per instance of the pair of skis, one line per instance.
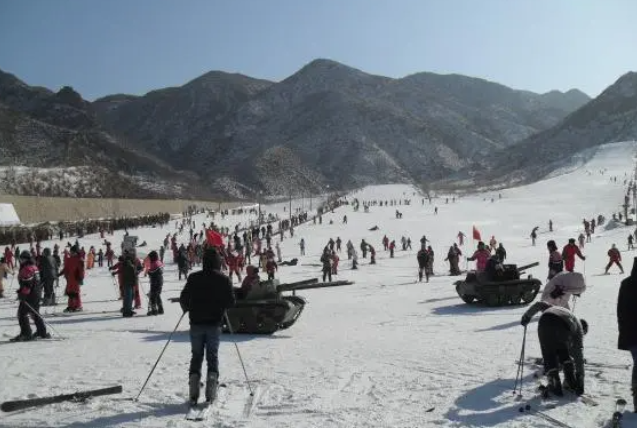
(78, 397)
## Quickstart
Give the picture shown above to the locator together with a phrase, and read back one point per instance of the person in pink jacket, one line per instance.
(481, 256)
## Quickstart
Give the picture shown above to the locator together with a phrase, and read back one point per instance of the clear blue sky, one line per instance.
(103, 47)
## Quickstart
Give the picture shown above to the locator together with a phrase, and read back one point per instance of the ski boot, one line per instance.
(194, 387)
(151, 312)
(211, 386)
(37, 336)
(554, 384)
(22, 338)
(570, 382)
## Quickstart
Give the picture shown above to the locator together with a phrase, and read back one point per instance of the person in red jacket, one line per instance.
(615, 258)
(29, 294)
(73, 272)
(271, 267)
(569, 252)
(232, 260)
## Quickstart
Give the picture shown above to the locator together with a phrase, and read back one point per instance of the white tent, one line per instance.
(8, 215)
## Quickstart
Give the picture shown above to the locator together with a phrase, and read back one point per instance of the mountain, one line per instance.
(329, 124)
(611, 117)
(51, 144)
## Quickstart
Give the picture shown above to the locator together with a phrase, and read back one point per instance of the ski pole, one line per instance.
(160, 355)
(520, 373)
(239, 354)
(42, 318)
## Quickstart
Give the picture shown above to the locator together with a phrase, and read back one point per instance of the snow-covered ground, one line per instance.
(375, 354)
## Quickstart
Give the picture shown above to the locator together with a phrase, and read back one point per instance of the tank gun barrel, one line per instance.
(322, 285)
(525, 267)
(294, 285)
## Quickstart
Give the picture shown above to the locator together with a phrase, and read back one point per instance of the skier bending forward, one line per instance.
(561, 337)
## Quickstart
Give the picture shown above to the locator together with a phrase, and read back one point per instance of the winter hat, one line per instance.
(153, 256)
(571, 241)
(584, 325)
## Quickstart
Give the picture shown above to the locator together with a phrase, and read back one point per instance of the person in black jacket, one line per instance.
(627, 322)
(206, 296)
(48, 274)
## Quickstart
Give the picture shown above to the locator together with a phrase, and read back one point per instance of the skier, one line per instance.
(581, 240)
(326, 262)
(561, 287)
(534, 235)
(630, 242)
(364, 248)
(461, 237)
(302, 245)
(350, 249)
(182, 262)
(277, 247)
(492, 243)
(156, 275)
(29, 294)
(392, 248)
(556, 264)
(615, 258)
(423, 262)
(430, 261)
(561, 337)
(335, 260)
(372, 255)
(206, 296)
(550, 225)
(128, 276)
(569, 252)
(385, 243)
(338, 243)
(5, 270)
(627, 323)
(270, 268)
(73, 272)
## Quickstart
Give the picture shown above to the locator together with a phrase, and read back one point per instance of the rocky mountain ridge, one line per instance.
(233, 135)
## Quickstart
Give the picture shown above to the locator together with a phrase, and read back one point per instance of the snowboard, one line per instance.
(80, 396)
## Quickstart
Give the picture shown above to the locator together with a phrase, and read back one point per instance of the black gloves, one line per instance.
(525, 320)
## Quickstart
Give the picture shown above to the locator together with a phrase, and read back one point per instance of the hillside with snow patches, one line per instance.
(378, 353)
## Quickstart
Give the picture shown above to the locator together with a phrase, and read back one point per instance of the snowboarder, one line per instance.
(561, 337)
(615, 257)
(29, 294)
(206, 296)
(569, 252)
(627, 322)
(556, 264)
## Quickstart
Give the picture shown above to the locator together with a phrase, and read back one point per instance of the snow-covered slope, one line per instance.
(375, 354)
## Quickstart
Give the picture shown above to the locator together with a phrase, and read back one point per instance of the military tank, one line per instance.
(266, 310)
(506, 288)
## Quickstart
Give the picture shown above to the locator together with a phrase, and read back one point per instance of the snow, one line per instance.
(378, 353)
(8, 215)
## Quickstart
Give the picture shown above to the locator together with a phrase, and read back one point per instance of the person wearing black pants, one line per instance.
(156, 275)
(627, 323)
(561, 337)
(29, 294)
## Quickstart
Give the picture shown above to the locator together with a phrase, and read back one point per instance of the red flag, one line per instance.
(476, 234)
(214, 239)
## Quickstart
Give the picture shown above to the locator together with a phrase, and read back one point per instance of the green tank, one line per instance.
(267, 310)
(507, 288)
